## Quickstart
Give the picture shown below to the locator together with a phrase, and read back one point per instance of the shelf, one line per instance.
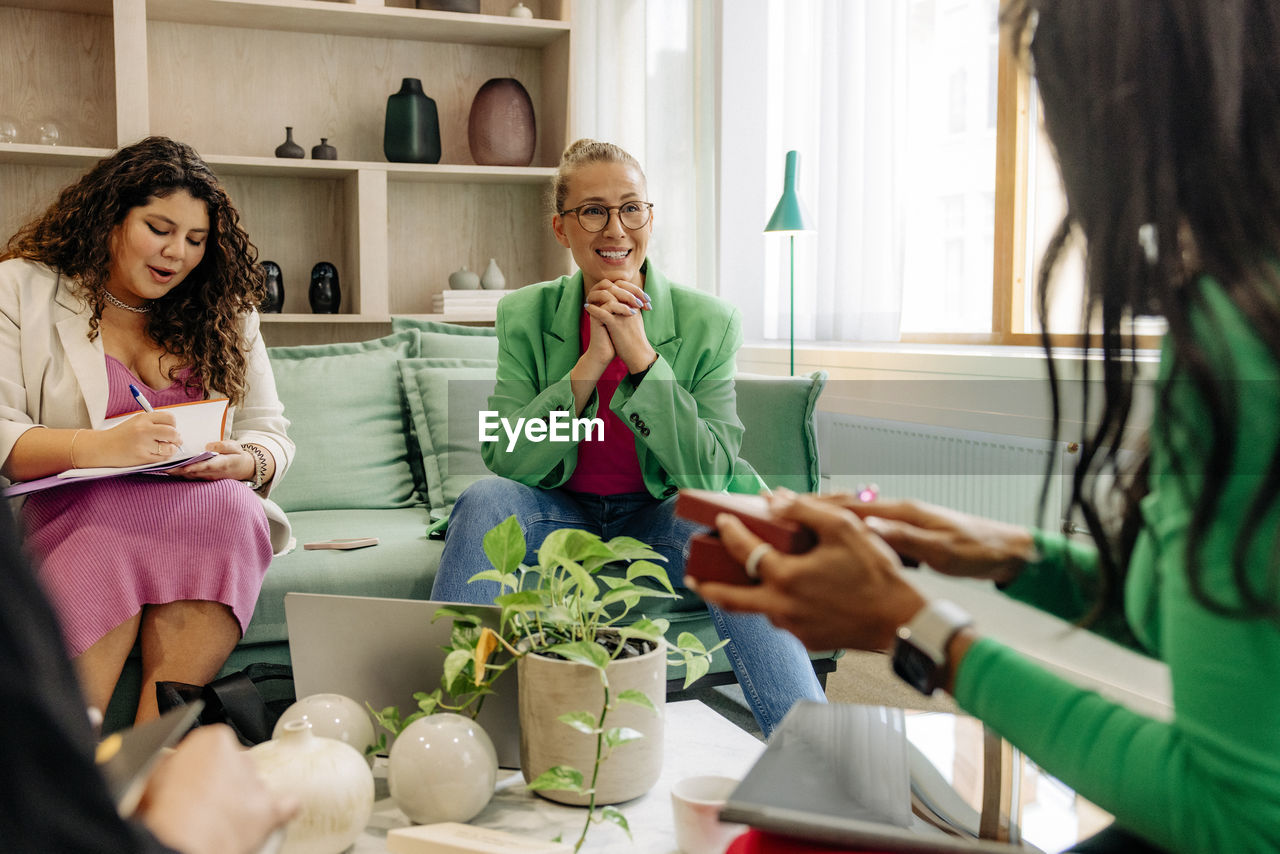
(25, 154)
(445, 173)
(82, 7)
(329, 18)
(325, 318)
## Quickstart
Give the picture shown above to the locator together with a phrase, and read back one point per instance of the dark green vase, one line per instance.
(412, 131)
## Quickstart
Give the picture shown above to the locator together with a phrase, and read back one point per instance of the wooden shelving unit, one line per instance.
(228, 76)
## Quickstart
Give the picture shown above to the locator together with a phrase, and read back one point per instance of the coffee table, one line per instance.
(698, 741)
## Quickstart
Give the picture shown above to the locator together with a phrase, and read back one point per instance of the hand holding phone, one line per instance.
(708, 559)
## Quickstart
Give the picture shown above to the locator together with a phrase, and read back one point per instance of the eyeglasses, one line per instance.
(594, 217)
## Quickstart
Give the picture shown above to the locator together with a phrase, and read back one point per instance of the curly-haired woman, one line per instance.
(140, 274)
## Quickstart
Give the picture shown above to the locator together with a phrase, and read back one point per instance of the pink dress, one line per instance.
(107, 548)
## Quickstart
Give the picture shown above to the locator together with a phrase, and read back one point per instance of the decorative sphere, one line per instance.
(329, 778)
(331, 716)
(442, 768)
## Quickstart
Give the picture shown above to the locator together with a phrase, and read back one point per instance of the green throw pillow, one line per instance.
(449, 340)
(445, 397)
(347, 417)
(780, 437)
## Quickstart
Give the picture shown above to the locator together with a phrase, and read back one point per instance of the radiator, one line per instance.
(990, 474)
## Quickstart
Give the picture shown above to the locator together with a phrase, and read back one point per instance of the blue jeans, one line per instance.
(771, 665)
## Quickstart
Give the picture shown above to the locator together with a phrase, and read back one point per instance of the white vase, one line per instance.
(493, 280)
(550, 688)
(329, 778)
(442, 768)
(464, 280)
(331, 716)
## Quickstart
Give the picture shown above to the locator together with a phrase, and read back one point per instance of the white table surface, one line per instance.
(698, 741)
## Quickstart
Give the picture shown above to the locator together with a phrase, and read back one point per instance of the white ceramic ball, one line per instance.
(331, 716)
(442, 768)
(330, 779)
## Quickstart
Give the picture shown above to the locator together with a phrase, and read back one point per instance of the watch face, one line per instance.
(914, 667)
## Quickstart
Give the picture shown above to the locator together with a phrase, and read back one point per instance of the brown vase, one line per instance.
(501, 129)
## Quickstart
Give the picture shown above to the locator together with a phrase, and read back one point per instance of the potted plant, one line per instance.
(592, 676)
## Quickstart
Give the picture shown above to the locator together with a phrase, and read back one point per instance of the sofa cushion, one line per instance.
(402, 565)
(445, 397)
(450, 339)
(349, 421)
(780, 438)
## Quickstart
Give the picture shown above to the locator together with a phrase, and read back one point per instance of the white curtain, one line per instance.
(827, 79)
(644, 79)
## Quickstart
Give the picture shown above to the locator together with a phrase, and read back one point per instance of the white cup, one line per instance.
(696, 804)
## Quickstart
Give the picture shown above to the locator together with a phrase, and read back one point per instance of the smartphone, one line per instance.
(351, 543)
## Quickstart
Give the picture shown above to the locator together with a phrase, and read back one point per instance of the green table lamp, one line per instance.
(790, 216)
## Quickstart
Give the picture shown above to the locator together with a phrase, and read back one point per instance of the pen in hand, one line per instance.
(142, 400)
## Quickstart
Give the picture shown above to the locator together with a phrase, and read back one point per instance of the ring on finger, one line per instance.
(752, 566)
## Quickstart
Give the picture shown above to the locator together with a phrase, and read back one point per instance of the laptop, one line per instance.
(847, 775)
(382, 651)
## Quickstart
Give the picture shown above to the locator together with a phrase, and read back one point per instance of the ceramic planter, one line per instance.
(550, 688)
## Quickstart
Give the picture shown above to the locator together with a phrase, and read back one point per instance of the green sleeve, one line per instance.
(1062, 582)
(516, 395)
(691, 423)
(1208, 780)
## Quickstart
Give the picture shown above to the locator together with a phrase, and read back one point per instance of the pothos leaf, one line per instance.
(560, 778)
(584, 722)
(615, 816)
(504, 545)
(638, 698)
(621, 735)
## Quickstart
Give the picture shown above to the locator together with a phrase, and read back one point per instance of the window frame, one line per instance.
(1010, 287)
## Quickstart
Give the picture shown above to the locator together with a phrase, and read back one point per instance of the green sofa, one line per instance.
(386, 438)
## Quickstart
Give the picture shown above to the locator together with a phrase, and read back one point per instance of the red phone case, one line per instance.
(708, 559)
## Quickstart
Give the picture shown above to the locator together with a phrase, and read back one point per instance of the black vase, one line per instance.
(289, 148)
(412, 130)
(324, 151)
(472, 6)
(325, 295)
(273, 302)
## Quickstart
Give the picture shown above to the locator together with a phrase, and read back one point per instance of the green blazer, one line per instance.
(683, 413)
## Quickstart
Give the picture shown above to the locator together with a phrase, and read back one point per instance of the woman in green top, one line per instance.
(1165, 116)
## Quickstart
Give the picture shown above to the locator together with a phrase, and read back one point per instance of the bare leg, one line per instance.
(99, 666)
(186, 641)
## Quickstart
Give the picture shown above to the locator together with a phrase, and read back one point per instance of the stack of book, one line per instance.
(476, 305)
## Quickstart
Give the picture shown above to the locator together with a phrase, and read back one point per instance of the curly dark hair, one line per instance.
(199, 320)
(1165, 119)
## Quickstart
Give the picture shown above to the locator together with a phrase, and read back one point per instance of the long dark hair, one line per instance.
(198, 321)
(1165, 118)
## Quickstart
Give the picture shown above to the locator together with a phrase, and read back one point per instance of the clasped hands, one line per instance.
(849, 591)
(616, 308)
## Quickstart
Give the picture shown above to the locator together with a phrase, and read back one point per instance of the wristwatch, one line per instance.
(920, 651)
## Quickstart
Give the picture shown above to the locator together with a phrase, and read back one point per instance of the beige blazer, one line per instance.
(52, 375)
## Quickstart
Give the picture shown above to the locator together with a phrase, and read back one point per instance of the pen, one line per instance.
(142, 401)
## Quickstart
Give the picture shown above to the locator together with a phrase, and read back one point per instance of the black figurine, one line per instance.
(273, 302)
(325, 295)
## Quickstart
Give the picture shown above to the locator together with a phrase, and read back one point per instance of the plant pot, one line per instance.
(550, 688)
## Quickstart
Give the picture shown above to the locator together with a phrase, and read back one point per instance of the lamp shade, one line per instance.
(790, 215)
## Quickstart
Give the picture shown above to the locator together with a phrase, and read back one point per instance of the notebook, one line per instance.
(846, 775)
(199, 422)
(381, 652)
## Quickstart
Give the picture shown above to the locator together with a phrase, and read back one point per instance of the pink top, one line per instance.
(610, 467)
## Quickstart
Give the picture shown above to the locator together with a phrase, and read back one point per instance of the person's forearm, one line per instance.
(41, 451)
(956, 651)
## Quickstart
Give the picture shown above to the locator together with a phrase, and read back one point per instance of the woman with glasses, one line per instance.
(654, 361)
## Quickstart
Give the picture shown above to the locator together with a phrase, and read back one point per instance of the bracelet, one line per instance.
(260, 468)
(74, 436)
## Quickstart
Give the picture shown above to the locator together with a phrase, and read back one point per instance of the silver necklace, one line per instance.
(118, 304)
